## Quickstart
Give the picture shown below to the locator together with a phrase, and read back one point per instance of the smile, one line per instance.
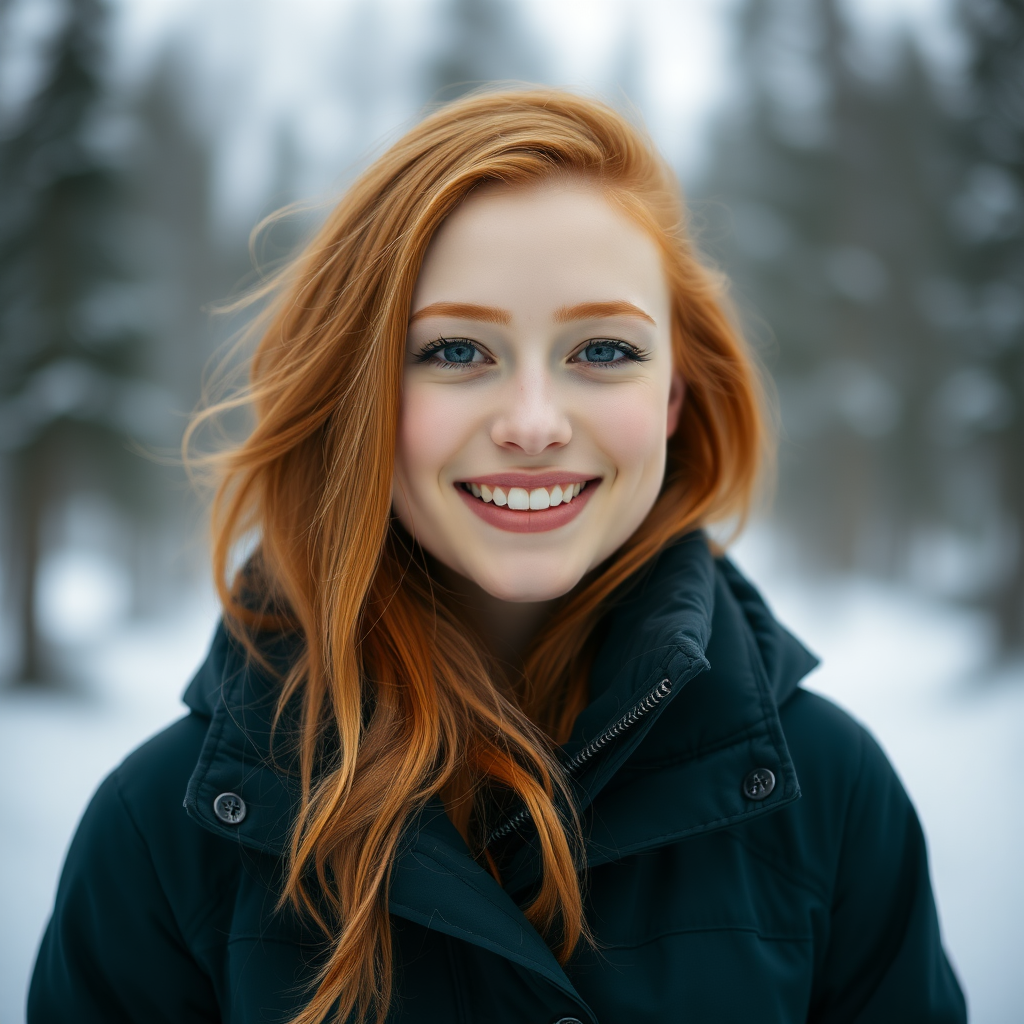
(526, 500)
(521, 503)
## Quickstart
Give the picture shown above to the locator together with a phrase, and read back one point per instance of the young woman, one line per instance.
(488, 732)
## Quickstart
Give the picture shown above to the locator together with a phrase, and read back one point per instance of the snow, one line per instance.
(55, 748)
(915, 671)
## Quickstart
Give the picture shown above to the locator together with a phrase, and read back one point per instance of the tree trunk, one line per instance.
(29, 501)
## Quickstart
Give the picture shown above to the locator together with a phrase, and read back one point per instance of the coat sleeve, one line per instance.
(112, 952)
(883, 961)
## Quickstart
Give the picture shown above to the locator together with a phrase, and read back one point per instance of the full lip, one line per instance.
(528, 521)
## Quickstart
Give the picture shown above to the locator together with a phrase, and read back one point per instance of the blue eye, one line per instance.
(601, 352)
(607, 350)
(452, 352)
(458, 352)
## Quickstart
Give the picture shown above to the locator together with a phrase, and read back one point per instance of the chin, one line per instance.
(518, 585)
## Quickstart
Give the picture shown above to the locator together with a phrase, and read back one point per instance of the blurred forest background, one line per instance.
(855, 166)
(866, 198)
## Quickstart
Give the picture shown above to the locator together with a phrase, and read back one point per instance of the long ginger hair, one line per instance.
(398, 703)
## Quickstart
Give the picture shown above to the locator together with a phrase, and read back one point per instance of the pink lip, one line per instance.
(527, 522)
(529, 480)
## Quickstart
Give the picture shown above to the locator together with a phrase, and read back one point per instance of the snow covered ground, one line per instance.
(56, 748)
(914, 671)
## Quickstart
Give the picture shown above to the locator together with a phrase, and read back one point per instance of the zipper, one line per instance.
(595, 746)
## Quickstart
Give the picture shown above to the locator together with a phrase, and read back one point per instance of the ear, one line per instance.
(676, 394)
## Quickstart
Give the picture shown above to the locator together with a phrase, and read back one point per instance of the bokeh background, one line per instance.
(855, 166)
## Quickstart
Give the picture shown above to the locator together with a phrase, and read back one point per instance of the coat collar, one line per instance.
(676, 771)
(697, 624)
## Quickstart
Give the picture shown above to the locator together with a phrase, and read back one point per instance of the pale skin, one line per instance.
(538, 371)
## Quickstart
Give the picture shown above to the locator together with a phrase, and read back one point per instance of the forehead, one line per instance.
(542, 247)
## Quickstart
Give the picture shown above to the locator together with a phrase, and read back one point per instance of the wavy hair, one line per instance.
(397, 704)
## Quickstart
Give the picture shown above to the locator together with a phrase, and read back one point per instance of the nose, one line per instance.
(531, 420)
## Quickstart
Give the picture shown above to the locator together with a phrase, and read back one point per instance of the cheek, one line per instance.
(430, 432)
(630, 428)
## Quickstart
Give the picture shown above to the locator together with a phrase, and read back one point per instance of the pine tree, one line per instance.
(178, 271)
(837, 179)
(989, 214)
(70, 385)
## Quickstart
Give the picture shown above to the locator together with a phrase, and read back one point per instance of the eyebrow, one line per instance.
(600, 310)
(464, 311)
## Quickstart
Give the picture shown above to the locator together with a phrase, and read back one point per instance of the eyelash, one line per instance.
(441, 343)
(631, 352)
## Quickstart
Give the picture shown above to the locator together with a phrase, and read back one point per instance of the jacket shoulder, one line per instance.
(193, 866)
(826, 733)
(155, 775)
(845, 777)
(122, 941)
(837, 759)
(855, 832)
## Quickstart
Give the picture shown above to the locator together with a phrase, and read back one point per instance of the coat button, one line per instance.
(229, 808)
(568, 1020)
(758, 784)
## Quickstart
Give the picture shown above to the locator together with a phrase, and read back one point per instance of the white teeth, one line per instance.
(536, 500)
(519, 498)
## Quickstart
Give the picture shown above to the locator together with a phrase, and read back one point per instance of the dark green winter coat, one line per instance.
(752, 857)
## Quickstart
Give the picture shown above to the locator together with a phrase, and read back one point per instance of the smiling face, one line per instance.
(538, 392)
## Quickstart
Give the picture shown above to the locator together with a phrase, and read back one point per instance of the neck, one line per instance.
(506, 627)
